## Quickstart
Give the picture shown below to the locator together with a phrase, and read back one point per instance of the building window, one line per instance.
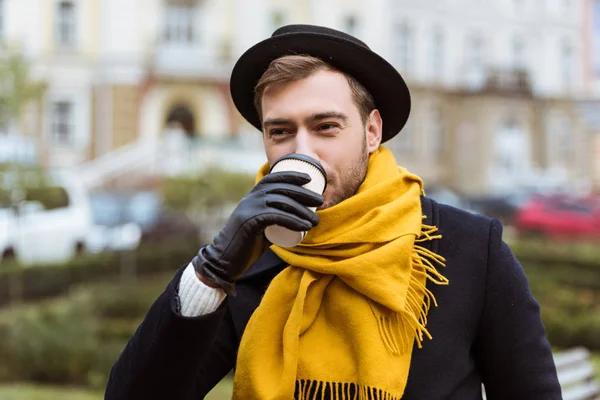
(435, 133)
(518, 54)
(66, 24)
(560, 148)
(512, 150)
(475, 50)
(566, 62)
(403, 47)
(437, 52)
(474, 61)
(63, 131)
(179, 23)
(402, 143)
(351, 25)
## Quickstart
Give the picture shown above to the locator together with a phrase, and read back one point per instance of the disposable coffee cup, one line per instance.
(280, 235)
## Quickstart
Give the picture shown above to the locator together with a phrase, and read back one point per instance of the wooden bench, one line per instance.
(576, 375)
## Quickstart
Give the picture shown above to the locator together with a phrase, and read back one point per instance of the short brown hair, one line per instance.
(296, 67)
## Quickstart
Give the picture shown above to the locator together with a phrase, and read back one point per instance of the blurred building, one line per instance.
(495, 84)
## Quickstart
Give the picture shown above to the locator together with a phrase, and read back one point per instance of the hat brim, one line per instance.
(380, 78)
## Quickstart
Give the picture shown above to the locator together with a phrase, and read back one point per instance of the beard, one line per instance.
(351, 179)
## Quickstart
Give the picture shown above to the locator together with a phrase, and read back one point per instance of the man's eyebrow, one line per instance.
(277, 121)
(326, 115)
(310, 119)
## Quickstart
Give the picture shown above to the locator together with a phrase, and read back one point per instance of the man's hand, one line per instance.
(278, 199)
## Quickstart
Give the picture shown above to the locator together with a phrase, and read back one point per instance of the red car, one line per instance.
(559, 217)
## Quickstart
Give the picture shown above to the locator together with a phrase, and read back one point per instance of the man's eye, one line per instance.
(277, 132)
(327, 127)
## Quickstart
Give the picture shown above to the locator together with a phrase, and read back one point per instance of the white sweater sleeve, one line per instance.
(197, 298)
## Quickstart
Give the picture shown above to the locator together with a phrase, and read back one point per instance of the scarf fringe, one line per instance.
(318, 390)
(399, 329)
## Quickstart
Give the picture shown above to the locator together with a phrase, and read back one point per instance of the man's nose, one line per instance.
(305, 145)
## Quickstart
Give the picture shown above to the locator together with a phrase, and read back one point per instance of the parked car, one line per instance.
(503, 207)
(115, 213)
(49, 225)
(111, 231)
(559, 216)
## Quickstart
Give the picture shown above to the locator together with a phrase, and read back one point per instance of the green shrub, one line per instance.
(115, 302)
(34, 183)
(577, 254)
(40, 282)
(49, 344)
(119, 330)
(210, 190)
(566, 329)
(74, 339)
(569, 298)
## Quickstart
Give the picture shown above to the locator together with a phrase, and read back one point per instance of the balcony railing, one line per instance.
(508, 81)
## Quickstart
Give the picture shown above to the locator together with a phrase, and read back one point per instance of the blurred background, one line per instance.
(121, 152)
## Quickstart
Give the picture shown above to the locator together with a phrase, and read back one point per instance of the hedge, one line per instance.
(38, 282)
(77, 338)
(577, 254)
(208, 191)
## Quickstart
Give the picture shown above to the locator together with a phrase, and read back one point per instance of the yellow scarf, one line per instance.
(342, 319)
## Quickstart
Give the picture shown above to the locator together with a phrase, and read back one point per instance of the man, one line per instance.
(390, 295)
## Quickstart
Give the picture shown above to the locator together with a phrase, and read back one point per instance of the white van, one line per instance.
(34, 233)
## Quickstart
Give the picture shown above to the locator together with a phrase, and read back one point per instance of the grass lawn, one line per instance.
(29, 391)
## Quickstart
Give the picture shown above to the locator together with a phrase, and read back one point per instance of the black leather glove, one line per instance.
(278, 199)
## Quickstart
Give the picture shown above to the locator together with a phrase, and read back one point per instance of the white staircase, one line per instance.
(140, 156)
(169, 157)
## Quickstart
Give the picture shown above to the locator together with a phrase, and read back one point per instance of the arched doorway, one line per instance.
(181, 117)
(180, 139)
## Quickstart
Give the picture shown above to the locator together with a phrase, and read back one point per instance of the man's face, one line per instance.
(317, 116)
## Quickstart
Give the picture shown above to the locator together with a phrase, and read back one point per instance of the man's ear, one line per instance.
(374, 129)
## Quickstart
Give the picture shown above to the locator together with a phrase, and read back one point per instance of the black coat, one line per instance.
(486, 329)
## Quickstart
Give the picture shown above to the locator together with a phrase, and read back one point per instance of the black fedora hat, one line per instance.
(342, 51)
